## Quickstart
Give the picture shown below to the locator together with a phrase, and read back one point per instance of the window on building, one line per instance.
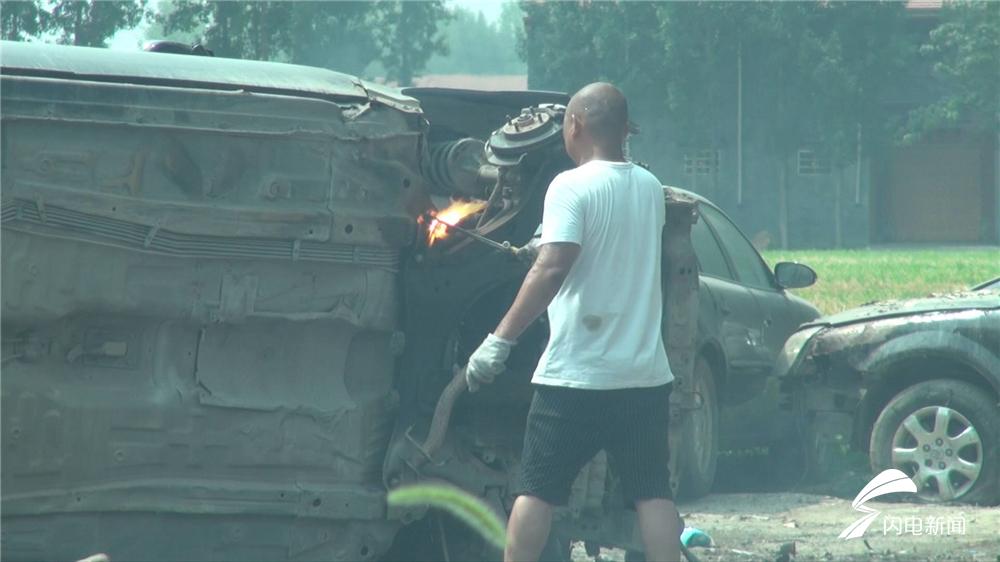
(701, 162)
(812, 163)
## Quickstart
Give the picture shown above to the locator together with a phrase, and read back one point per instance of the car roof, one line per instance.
(141, 67)
(700, 198)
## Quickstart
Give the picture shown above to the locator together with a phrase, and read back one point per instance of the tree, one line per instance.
(91, 23)
(478, 46)
(511, 23)
(88, 23)
(156, 31)
(22, 20)
(334, 35)
(964, 53)
(253, 30)
(406, 34)
(345, 36)
(808, 71)
(569, 44)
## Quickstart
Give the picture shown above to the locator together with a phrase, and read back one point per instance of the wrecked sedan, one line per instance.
(230, 323)
(914, 383)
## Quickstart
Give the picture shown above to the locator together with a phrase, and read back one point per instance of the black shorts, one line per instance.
(568, 426)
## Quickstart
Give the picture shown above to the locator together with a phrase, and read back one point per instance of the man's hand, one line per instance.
(487, 361)
(528, 253)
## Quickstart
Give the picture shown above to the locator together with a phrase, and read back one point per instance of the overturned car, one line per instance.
(232, 308)
(914, 383)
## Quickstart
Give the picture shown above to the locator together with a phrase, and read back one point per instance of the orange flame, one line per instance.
(451, 215)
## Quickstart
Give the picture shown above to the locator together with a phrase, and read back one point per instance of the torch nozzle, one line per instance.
(504, 246)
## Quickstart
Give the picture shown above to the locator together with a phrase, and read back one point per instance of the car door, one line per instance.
(777, 321)
(753, 419)
(736, 313)
(755, 360)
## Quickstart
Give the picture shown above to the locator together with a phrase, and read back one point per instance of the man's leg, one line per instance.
(637, 445)
(558, 441)
(659, 525)
(528, 529)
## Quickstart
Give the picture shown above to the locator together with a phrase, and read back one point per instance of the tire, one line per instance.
(699, 443)
(945, 434)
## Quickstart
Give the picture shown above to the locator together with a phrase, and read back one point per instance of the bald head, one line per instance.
(602, 111)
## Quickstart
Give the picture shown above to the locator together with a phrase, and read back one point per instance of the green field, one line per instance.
(848, 278)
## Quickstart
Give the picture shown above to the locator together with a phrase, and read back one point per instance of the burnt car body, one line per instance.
(225, 335)
(913, 383)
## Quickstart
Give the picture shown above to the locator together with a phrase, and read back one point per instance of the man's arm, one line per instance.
(540, 286)
(562, 234)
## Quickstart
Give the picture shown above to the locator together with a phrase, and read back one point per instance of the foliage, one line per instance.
(463, 505)
(964, 53)
(803, 74)
(478, 46)
(334, 35)
(345, 36)
(406, 35)
(850, 278)
(254, 30)
(862, 51)
(22, 20)
(811, 71)
(155, 29)
(91, 23)
(88, 23)
(569, 44)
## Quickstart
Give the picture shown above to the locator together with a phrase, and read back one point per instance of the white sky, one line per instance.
(129, 39)
(489, 8)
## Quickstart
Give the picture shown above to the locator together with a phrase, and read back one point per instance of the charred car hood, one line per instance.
(896, 308)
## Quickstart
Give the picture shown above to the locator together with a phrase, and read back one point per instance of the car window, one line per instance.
(710, 256)
(750, 269)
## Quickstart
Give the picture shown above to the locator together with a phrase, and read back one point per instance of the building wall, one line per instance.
(813, 210)
(941, 190)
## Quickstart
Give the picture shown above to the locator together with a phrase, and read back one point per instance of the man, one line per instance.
(603, 381)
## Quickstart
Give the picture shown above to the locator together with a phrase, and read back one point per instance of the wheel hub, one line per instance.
(940, 450)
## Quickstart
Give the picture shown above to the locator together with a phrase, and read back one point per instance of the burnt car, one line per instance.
(231, 317)
(913, 383)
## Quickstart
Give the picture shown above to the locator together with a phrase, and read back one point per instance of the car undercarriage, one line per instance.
(226, 331)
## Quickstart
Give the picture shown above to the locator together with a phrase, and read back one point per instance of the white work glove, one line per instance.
(487, 361)
(527, 253)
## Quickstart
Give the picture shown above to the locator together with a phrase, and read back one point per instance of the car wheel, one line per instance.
(699, 444)
(944, 434)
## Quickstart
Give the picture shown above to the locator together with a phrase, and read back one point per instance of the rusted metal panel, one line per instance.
(680, 312)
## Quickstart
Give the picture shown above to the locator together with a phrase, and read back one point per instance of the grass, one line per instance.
(849, 278)
(465, 506)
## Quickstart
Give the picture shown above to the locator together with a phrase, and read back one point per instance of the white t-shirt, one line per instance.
(605, 322)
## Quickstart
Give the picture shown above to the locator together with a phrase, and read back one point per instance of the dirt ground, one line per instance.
(754, 527)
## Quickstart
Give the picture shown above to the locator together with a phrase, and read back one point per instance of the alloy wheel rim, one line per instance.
(940, 450)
